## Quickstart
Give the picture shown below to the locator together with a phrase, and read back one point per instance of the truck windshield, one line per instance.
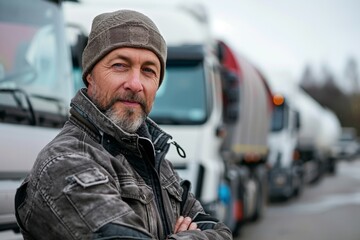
(181, 99)
(34, 63)
(279, 118)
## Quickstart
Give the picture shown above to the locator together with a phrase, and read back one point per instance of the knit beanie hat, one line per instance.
(123, 28)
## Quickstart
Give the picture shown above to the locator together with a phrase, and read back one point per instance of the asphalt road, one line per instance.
(328, 210)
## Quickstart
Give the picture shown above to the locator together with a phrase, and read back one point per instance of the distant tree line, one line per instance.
(341, 94)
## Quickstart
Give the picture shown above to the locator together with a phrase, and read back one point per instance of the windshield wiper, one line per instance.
(30, 114)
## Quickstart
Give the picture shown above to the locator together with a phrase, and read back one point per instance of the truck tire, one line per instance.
(261, 200)
(331, 166)
(299, 188)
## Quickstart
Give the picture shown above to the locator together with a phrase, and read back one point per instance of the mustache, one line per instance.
(128, 97)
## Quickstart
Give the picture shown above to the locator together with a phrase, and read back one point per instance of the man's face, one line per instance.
(123, 85)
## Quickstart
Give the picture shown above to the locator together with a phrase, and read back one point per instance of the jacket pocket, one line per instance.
(94, 198)
(136, 192)
(174, 191)
(140, 198)
(89, 177)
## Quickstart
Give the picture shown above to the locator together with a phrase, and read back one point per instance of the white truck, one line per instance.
(319, 129)
(286, 167)
(35, 90)
(348, 145)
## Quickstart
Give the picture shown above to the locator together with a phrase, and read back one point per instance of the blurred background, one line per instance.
(263, 96)
(315, 42)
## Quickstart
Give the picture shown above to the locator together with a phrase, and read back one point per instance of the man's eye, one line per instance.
(149, 70)
(118, 65)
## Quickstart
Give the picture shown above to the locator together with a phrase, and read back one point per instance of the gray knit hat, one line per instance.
(123, 28)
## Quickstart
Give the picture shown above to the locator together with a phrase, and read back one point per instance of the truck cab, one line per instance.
(286, 167)
(35, 90)
(188, 107)
(318, 131)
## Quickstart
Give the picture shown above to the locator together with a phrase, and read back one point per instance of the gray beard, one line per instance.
(127, 122)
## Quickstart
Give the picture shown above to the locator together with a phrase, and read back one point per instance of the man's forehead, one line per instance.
(129, 53)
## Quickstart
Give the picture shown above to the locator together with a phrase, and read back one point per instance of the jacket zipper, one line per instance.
(157, 189)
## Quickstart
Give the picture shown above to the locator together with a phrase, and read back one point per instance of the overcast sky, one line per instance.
(284, 35)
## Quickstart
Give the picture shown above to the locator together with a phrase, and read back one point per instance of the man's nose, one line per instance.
(133, 82)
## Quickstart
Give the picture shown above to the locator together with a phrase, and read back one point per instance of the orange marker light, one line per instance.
(278, 99)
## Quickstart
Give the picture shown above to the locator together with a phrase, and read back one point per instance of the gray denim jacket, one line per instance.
(95, 181)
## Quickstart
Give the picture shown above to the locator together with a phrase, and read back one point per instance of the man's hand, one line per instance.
(184, 224)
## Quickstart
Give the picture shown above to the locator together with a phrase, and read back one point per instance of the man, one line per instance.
(104, 176)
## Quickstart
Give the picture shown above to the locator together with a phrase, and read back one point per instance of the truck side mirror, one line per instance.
(231, 92)
(76, 50)
(77, 40)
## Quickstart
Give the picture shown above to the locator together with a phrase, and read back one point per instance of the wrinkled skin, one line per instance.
(123, 85)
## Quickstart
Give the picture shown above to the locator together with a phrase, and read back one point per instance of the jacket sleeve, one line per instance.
(116, 231)
(211, 227)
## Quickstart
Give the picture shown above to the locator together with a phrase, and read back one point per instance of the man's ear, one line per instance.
(89, 79)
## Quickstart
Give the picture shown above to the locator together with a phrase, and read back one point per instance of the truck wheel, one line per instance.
(299, 188)
(332, 166)
(261, 200)
(319, 172)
